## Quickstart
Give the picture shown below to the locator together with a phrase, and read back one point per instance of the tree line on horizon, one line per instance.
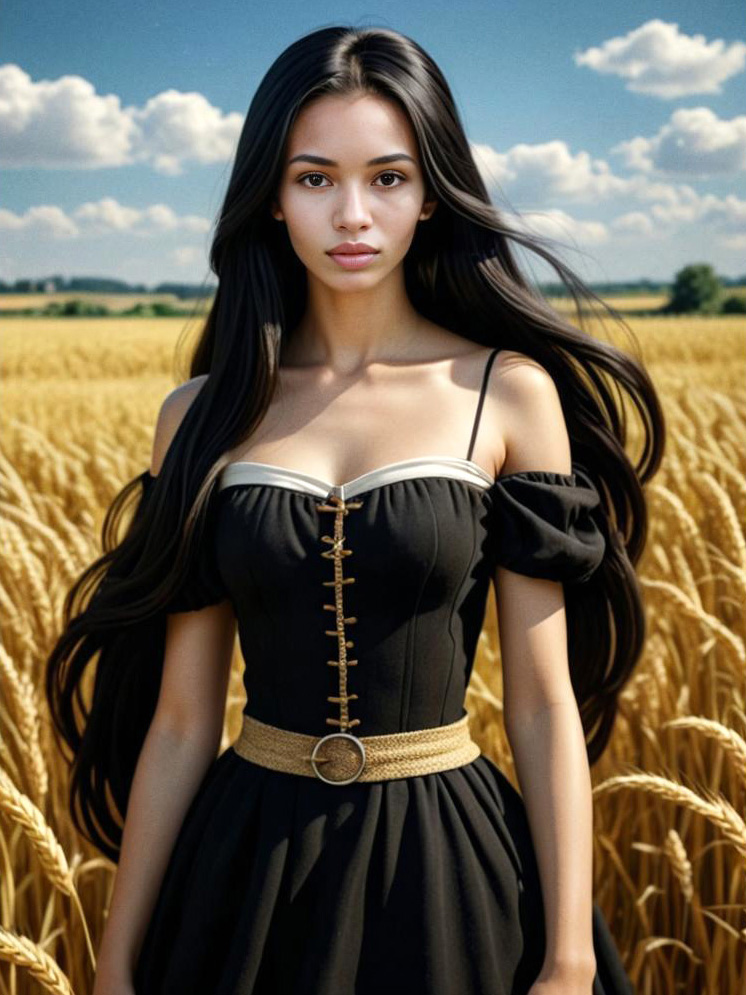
(695, 289)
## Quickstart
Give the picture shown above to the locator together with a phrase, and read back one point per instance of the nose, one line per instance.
(352, 210)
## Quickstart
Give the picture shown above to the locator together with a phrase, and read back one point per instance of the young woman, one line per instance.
(383, 417)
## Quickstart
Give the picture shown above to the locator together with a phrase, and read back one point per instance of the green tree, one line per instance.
(695, 288)
(734, 305)
(78, 308)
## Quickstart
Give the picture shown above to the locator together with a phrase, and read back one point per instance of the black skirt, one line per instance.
(281, 883)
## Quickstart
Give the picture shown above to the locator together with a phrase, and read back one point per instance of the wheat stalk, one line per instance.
(717, 811)
(691, 611)
(21, 810)
(19, 691)
(733, 744)
(23, 952)
(680, 864)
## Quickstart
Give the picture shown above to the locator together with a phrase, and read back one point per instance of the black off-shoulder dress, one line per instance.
(281, 884)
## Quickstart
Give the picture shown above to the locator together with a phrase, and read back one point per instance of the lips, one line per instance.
(352, 249)
(354, 257)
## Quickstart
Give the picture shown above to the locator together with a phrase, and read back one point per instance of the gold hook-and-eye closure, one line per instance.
(337, 554)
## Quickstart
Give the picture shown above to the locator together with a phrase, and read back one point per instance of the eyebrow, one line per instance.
(319, 160)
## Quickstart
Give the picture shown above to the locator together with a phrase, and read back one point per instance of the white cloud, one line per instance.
(188, 256)
(725, 217)
(735, 242)
(45, 221)
(104, 217)
(695, 142)
(561, 226)
(546, 171)
(635, 223)
(531, 175)
(723, 214)
(175, 127)
(65, 124)
(60, 123)
(658, 60)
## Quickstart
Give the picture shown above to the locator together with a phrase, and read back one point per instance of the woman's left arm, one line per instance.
(542, 721)
(544, 730)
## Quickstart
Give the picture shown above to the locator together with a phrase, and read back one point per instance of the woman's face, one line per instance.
(331, 193)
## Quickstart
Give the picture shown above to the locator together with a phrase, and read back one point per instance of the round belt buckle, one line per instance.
(339, 735)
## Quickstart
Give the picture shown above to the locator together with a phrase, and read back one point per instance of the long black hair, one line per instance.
(461, 272)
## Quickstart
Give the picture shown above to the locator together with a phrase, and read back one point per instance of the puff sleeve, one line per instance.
(202, 584)
(546, 524)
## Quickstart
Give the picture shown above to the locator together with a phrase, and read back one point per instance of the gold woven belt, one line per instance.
(346, 758)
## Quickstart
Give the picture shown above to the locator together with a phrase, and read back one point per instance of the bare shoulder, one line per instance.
(173, 408)
(522, 377)
(530, 414)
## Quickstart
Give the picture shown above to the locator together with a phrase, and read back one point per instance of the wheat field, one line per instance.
(80, 400)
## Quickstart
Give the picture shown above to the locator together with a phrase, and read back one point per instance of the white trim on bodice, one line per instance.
(246, 472)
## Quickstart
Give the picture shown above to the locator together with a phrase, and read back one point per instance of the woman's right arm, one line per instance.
(181, 743)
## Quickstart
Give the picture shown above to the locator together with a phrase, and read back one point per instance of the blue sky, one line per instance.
(617, 129)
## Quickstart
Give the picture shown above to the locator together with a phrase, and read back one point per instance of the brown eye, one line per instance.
(308, 175)
(397, 176)
(316, 186)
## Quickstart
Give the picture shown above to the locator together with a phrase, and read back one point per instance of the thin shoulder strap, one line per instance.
(485, 379)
